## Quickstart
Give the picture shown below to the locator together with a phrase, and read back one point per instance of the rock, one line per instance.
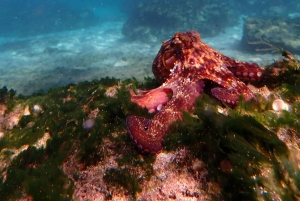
(156, 20)
(278, 32)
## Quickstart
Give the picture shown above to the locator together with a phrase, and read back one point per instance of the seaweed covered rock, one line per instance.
(282, 32)
(154, 20)
(71, 143)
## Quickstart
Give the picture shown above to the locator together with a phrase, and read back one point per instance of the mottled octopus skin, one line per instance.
(184, 65)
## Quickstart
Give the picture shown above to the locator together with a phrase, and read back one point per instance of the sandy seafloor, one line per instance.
(42, 62)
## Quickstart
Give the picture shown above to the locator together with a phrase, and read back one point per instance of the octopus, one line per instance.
(186, 67)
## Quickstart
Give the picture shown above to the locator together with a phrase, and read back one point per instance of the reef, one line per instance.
(154, 20)
(280, 32)
(71, 143)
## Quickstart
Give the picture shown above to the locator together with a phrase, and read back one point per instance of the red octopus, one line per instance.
(186, 67)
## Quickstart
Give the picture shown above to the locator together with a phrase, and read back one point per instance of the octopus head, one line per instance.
(172, 52)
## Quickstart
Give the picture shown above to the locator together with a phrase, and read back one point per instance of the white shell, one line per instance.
(37, 108)
(279, 105)
(88, 124)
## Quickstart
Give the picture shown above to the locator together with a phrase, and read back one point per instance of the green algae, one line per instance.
(7, 97)
(36, 172)
(18, 138)
(32, 173)
(122, 178)
(246, 144)
(63, 120)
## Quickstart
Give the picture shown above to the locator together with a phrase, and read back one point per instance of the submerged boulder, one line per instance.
(269, 34)
(154, 19)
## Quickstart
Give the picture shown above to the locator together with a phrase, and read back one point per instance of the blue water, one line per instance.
(93, 39)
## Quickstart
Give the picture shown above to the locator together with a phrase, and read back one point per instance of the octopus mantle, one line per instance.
(186, 67)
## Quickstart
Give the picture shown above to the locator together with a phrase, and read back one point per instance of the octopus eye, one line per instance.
(168, 60)
(145, 128)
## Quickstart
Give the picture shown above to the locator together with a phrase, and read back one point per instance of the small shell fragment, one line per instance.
(37, 109)
(88, 124)
(279, 105)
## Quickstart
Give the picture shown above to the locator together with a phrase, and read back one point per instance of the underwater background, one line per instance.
(65, 71)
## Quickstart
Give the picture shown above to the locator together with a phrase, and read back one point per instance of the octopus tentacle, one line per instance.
(152, 99)
(148, 134)
(243, 70)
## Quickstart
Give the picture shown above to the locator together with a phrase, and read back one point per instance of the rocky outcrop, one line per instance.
(271, 34)
(157, 19)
